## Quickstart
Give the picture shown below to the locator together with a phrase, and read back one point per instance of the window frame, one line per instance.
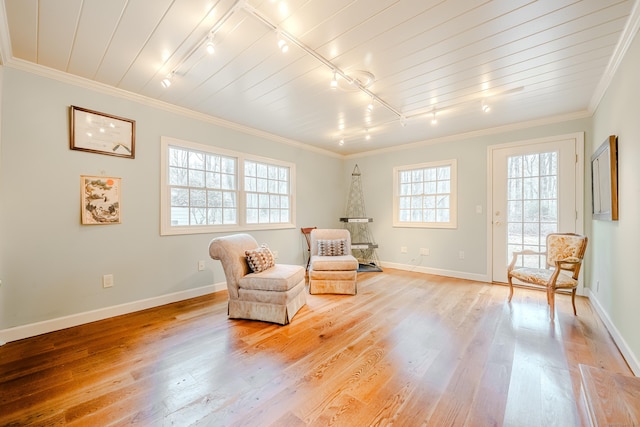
(166, 229)
(453, 195)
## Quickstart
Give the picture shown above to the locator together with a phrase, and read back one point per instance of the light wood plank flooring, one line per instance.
(409, 349)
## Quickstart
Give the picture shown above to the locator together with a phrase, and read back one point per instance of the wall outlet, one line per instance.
(461, 255)
(403, 249)
(107, 280)
(275, 254)
(201, 265)
(424, 251)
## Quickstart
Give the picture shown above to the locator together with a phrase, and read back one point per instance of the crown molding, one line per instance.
(71, 79)
(627, 37)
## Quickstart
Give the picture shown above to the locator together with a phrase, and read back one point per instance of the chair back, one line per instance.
(329, 234)
(230, 250)
(566, 245)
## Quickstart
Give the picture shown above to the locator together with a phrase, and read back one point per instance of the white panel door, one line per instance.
(533, 194)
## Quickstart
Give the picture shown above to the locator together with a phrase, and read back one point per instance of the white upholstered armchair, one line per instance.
(332, 270)
(271, 292)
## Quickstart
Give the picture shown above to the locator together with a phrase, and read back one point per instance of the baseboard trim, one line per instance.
(628, 354)
(39, 328)
(438, 272)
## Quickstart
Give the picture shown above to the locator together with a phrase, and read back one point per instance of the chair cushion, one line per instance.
(541, 276)
(333, 263)
(281, 278)
(335, 247)
(260, 259)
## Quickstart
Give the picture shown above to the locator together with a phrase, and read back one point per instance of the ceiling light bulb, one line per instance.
(434, 120)
(334, 81)
(370, 106)
(282, 44)
(485, 107)
(211, 48)
(341, 141)
(368, 135)
(166, 82)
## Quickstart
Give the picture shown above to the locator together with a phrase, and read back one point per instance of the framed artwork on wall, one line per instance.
(102, 133)
(100, 197)
(604, 180)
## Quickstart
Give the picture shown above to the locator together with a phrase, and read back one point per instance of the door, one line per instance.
(533, 194)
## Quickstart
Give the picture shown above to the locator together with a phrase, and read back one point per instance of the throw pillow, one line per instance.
(332, 247)
(260, 259)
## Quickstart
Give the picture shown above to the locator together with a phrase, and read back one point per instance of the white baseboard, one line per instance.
(38, 328)
(628, 354)
(438, 272)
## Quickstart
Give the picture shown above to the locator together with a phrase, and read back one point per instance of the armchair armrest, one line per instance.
(569, 260)
(518, 253)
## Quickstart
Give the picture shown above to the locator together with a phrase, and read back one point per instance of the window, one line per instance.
(208, 189)
(425, 195)
(267, 191)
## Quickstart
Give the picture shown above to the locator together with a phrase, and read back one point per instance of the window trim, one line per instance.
(166, 229)
(453, 203)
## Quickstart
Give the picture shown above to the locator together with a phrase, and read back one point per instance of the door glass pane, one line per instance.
(532, 200)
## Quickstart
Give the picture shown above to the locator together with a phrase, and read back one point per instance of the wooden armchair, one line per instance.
(564, 255)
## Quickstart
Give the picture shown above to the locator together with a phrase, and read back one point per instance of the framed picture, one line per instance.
(604, 180)
(102, 133)
(100, 200)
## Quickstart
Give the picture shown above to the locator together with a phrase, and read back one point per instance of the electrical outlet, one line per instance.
(424, 251)
(461, 254)
(201, 265)
(403, 249)
(107, 280)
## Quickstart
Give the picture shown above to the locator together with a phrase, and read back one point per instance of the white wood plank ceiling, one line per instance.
(527, 60)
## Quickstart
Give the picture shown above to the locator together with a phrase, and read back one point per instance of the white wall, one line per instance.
(444, 244)
(52, 266)
(614, 282)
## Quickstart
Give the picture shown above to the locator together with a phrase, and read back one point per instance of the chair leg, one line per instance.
(510, 288)
(552, 303)
(573, 301)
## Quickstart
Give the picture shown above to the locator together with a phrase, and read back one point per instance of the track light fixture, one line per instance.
(485, 107)
(434, 120)
(370, 106)
(211, 48)
(334, 81)
(166, 82)
(282, 44)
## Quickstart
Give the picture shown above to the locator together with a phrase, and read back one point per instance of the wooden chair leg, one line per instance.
(552, 303)
(573, 301)
(510, 288)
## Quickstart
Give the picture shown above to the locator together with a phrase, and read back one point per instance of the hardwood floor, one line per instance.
(409, 349)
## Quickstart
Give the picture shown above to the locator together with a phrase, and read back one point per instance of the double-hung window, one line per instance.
(207, 189)
(424, 195)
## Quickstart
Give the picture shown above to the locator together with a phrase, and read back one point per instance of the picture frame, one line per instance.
(100, 200)
(102, 133)
(604, 180)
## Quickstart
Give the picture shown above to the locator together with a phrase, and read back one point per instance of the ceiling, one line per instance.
(529, 61)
